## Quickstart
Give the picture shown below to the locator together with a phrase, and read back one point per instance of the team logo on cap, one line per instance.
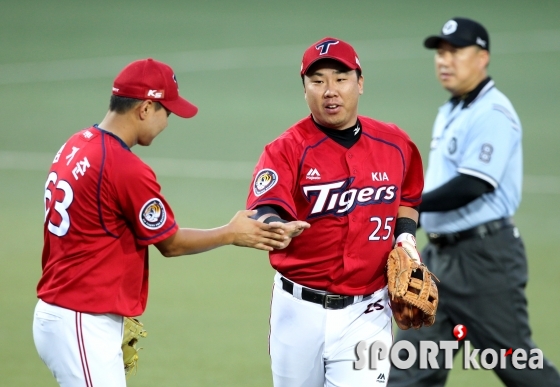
(265, 180)
(449, 27)
(323, 47)
(152, 214)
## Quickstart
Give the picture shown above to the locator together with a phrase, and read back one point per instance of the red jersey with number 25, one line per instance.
(349, 196)
(103, 208)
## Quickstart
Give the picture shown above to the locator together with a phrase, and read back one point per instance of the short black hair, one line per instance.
(122, 105)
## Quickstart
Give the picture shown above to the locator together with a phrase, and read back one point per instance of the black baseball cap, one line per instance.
(461, 32)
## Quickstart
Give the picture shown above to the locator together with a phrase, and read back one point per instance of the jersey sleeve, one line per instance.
(274, 179)
(491, 139)
(413, 183)
(143, 205)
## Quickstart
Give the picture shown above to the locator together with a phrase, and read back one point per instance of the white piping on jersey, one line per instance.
(482, 176)
(508, 114)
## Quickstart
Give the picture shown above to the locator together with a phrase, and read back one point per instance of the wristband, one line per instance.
(274, 218)
(405, 225)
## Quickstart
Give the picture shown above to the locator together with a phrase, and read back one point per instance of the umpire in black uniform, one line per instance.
(472, 189)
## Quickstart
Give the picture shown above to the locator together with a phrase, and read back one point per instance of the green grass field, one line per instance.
(207, 315)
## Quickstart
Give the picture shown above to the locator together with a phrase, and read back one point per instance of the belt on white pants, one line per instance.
(328, 301)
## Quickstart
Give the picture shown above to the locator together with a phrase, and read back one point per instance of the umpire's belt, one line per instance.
(479, 231)
(328, 301)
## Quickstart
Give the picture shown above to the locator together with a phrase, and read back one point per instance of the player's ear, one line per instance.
(361, 84)
(144, 108)
(484, 57)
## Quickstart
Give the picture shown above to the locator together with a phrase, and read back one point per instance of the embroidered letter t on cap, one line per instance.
(330, 48)
(149, 79)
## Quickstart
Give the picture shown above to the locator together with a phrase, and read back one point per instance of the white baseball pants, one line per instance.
(80, 349)
(311, 346)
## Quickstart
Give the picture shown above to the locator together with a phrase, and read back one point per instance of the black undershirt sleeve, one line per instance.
(266, 209)
(456, 193)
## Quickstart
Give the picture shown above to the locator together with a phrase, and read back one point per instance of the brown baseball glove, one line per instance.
(414, 295)
(133, 330)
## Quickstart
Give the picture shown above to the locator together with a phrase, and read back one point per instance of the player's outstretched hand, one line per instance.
(249, 232)
(291, 230)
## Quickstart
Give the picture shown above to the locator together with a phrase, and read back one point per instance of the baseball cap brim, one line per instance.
(433, 41)
(351, 66)
(180, 107)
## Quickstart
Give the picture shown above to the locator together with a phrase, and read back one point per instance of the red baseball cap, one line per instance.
(330, 48)
(150, 79)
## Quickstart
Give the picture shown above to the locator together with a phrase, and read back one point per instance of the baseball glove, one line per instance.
(133, 330)
(414, 295)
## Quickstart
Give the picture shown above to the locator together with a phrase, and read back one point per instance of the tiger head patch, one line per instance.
(264, 181)
(152, 214)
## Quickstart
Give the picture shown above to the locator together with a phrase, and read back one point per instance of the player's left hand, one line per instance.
(291, 229)
(414, 294)
(411, 251)
(408, 243)
(133, 330)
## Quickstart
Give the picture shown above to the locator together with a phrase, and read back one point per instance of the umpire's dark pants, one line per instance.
(482, 287)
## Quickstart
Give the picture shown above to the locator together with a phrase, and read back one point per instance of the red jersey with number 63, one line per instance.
(103, 207)
(349, 196)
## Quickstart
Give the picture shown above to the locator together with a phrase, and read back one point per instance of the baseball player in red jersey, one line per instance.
(103, 208)
(357, 182)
